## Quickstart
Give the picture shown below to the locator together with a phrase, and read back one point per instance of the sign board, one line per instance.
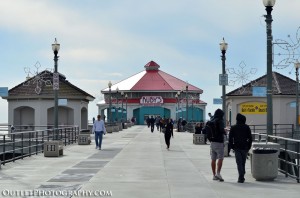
(55, 81)
(151, 100)
(259, 91)
(217, 101)
(293, 104)
(253, 108)
(3, 91)
(223, 79)
(63, 102)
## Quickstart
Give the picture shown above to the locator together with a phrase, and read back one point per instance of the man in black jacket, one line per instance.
(240, 140)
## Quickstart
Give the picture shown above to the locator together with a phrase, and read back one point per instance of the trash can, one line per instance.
(198, 138)
(264, 161)
(84, 137)
(85, 131)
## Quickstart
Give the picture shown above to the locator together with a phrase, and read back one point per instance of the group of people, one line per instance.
(164, 125)
(240, 140)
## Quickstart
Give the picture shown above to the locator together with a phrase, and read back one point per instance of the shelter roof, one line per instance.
(281, 85)
(152, 79)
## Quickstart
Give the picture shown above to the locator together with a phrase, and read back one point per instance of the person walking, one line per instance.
(152, 121)
(217, 145)
(99, 129)
(168, 132)
(240, 140)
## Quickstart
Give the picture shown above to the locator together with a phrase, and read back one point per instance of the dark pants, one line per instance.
(152, 128)
(240, 158)
(167, 139)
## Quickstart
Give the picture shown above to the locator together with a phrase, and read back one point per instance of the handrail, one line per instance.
(289, 156)
(18, 145)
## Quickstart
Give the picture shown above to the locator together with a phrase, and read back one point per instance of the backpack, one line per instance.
(210, 130)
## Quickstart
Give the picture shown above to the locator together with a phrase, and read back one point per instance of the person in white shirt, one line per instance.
(99, 129)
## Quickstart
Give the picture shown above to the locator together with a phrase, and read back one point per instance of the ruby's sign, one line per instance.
(151, 100)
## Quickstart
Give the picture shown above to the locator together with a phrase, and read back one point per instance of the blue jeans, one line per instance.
(98, 136)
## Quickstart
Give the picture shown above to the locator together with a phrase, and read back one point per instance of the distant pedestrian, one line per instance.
(93, 120)
(217, 144)
(152, 121)
(198, 128)
(240, 140)
(168, 132)
(148, 121)
(157, 122)
(210, 116)
(99, 129)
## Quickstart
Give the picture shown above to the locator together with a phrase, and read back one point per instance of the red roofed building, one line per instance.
(153, 92)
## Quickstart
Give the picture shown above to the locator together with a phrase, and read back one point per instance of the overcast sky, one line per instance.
(103, 40)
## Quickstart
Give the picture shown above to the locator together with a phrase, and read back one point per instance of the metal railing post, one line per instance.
(14, 146)
(22, 144)
(4, 150)
(285, 158)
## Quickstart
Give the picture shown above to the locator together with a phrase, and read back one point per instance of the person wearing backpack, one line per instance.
(240, 140)
(217, 143)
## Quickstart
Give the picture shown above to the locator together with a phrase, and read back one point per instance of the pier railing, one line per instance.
(17, 145)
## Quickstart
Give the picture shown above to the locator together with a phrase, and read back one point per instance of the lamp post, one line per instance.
(126, 96)
(297, 66)
(109, 88)
(122, 94)
(224, 81)
(55, 48)
(181, 105)
(176, 96)
(269, 7)
(187, 103)
(117, 106)
(192, 108)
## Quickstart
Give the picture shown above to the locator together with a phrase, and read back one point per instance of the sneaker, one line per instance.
(215, 178)
(218, 175)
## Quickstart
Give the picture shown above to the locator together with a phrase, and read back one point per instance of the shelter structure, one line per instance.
(250, 100)
(31, 103)
(152, 92)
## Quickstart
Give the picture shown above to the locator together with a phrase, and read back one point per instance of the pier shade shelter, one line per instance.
(152, 92)
(31, 103)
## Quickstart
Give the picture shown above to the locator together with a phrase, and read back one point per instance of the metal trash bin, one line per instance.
(264, 161)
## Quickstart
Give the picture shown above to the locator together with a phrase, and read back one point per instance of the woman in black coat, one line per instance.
(168, 132)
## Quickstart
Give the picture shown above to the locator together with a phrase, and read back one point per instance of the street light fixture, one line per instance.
(117, 106)
(176, 96)
(269, 7)
(187, 103)
(223, 48)
(122, 94)
(192, 108)
(297, 66)
(109, 88)
(126, 96)
(55, 48)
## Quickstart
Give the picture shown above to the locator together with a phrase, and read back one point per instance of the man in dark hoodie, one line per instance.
(217, 145)
(240, 140)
